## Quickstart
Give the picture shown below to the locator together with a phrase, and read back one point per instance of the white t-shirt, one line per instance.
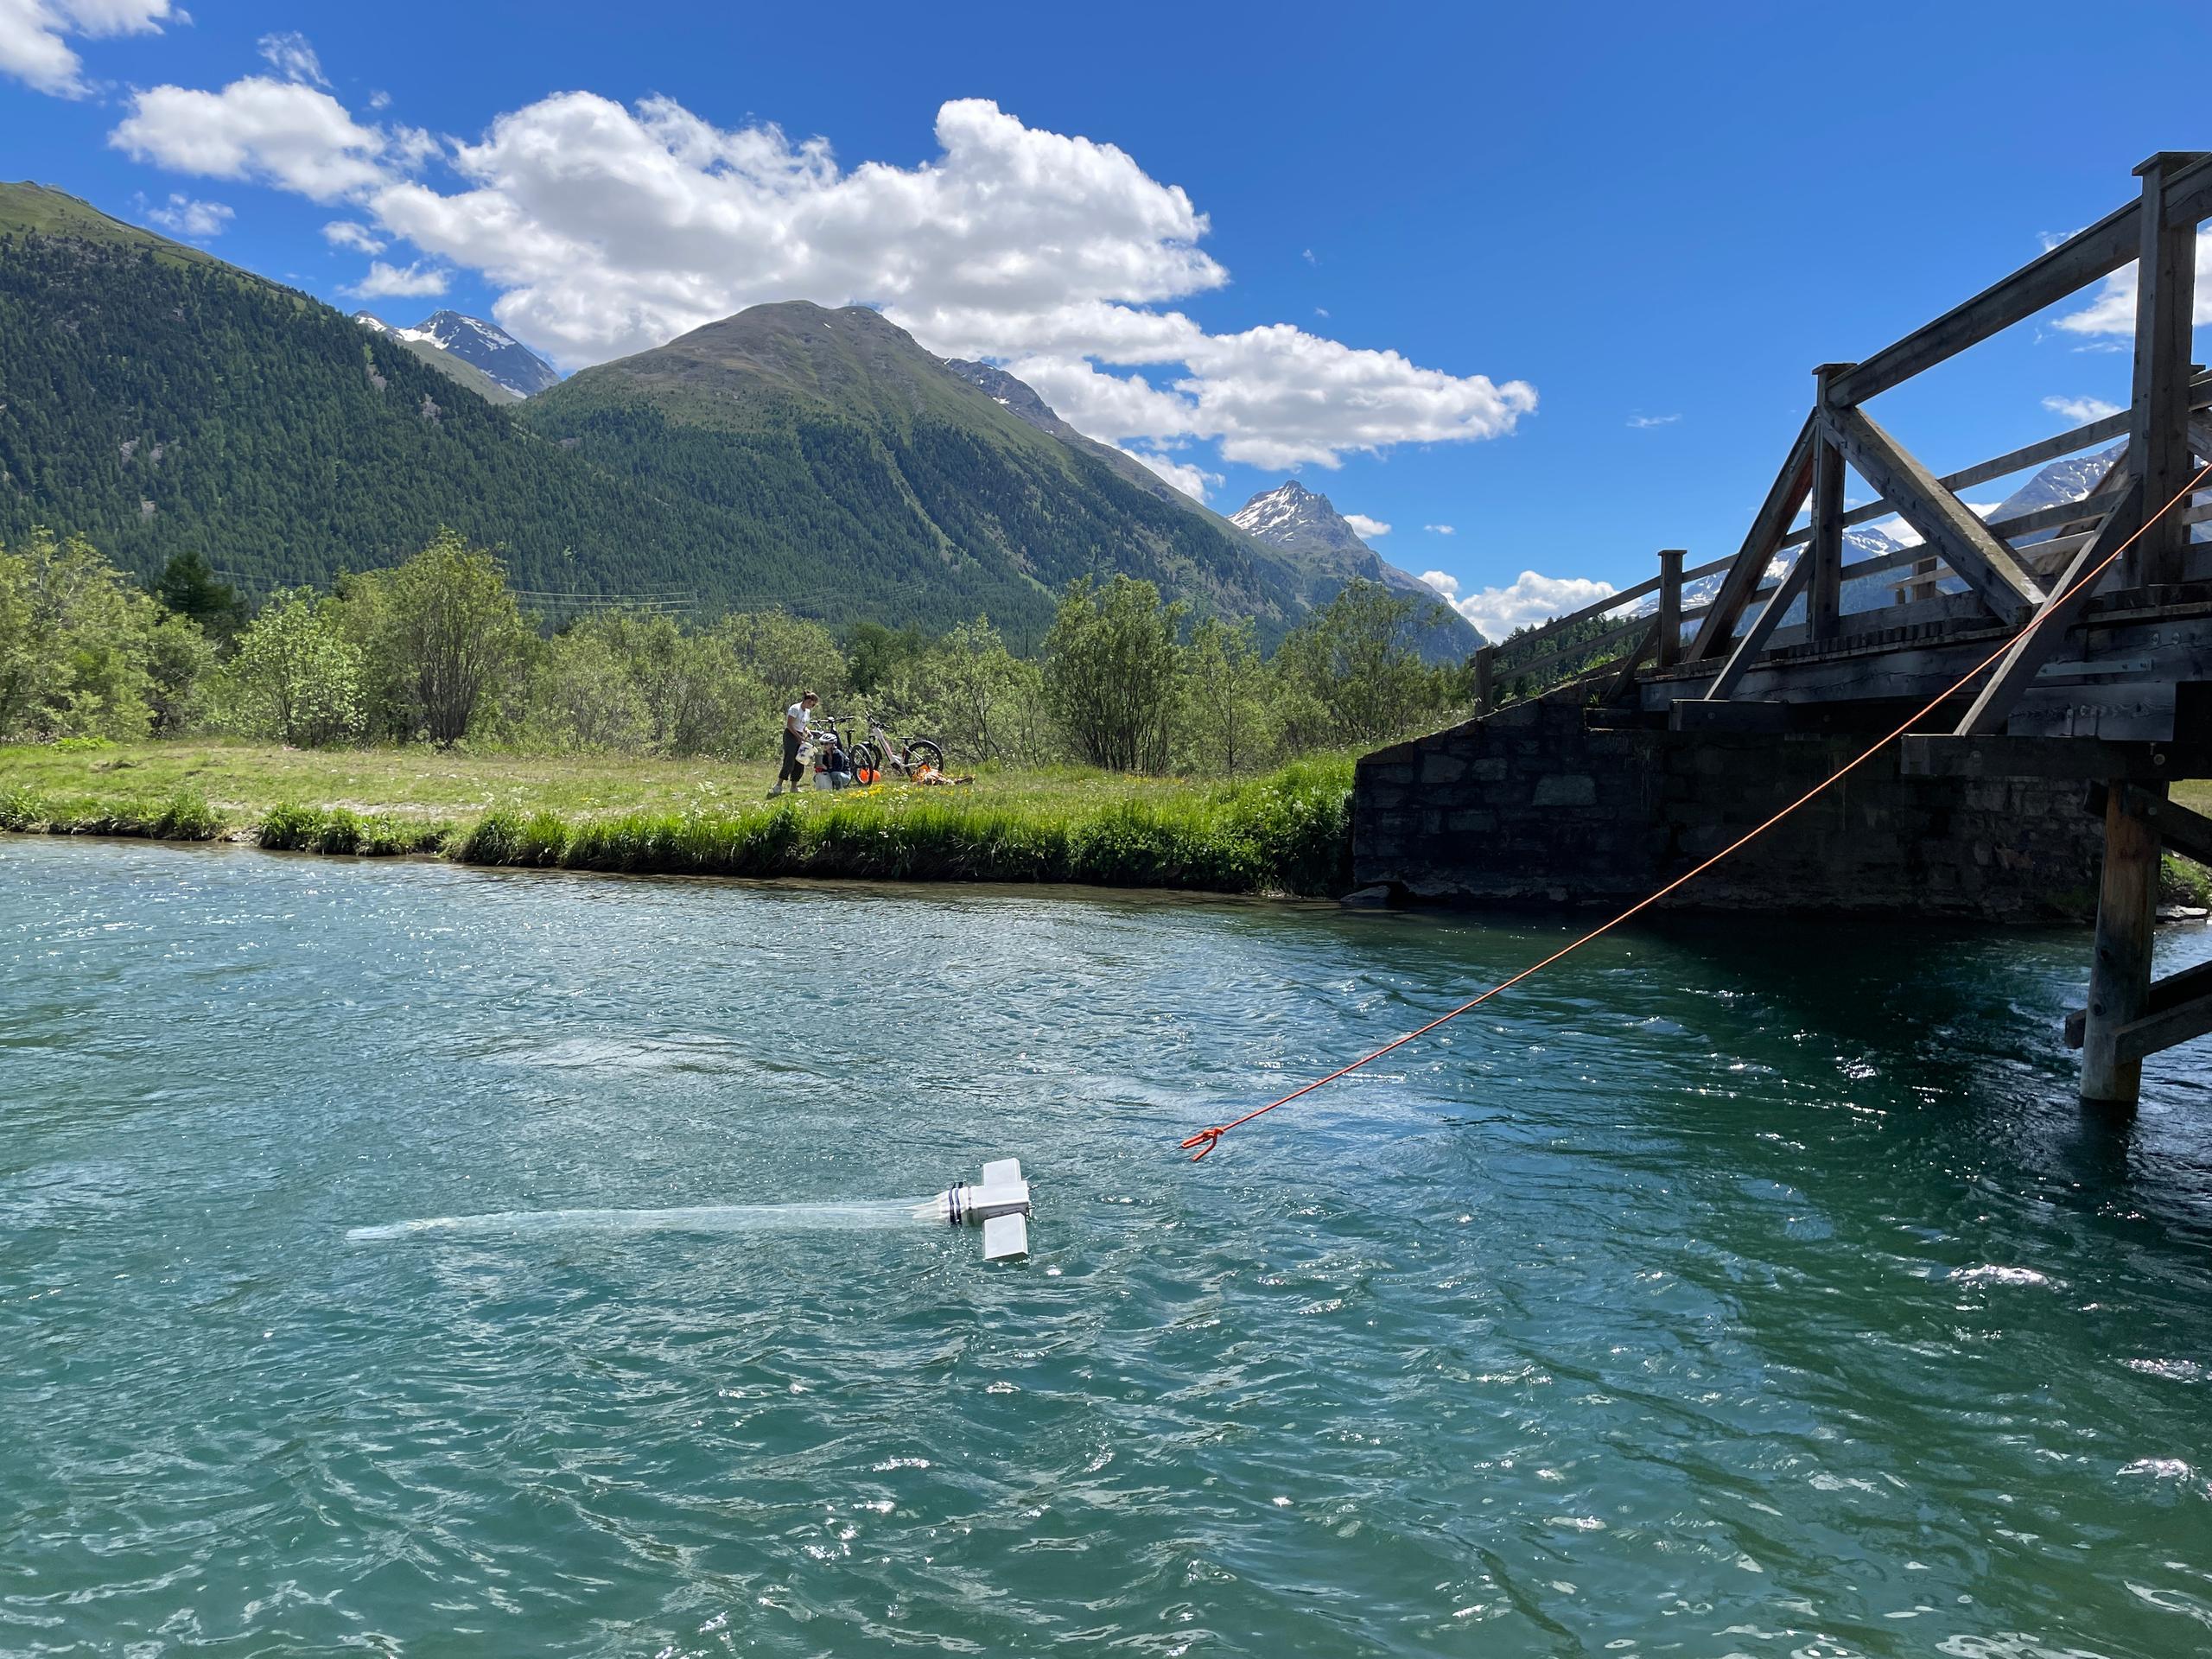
(796, 719)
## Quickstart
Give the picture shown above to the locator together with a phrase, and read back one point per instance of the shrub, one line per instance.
(296, 679)
(186, 816)
(342, 831)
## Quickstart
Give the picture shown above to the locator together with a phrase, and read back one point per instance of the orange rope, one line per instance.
(1206, 1140)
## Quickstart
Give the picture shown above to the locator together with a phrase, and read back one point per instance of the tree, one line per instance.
(443, 631)
(1111, 672)
(698, 697)
(874, 655)
(188, 587)
(179, 656)
(787, 653)
(1355, 658)
(1224, 686)
(971, 693)
(581, 696)
(294, 678)
(72, 644)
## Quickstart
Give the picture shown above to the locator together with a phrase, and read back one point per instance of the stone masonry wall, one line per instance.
(1528, 807)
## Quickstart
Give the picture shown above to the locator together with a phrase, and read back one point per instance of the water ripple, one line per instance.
(1717, 1296)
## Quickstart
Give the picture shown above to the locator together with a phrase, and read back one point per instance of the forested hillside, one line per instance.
(885, 467)
(158, 408)
(157, 401)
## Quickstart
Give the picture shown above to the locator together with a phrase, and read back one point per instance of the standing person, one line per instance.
(797, 718)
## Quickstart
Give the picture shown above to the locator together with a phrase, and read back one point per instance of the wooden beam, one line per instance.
(1552, 624)
(2070, 593)
(1951, 531)
(1702, 714)
(2075, 262)
(2187, 199)
(1746, 573)
(2092, 506)
(1576, 649)
(2139, 1039)
(1755, 637)
(2200, 439)
(2165, 993)
(1625, 682)
(2187, 833)
(1486, 679)
(2119, 971)
(1824, 546)
(1670, 606)
(2157, 432)
(2083, 759)
(2014, 461)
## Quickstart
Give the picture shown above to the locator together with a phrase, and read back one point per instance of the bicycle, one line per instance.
(880, 750)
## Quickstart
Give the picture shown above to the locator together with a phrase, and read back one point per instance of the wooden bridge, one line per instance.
(2113, 689)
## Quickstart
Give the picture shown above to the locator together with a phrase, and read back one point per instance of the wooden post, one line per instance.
(1486, 679)
(1824, 596)
(2158, 427)
(1670, 606)
(2120, 974)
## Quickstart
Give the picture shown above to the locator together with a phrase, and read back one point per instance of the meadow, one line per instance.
(1287, 831)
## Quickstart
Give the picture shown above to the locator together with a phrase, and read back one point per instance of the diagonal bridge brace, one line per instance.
(1945, 523)
(2017, 672)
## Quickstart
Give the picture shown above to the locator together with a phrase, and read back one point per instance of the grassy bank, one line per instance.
(1288, 832)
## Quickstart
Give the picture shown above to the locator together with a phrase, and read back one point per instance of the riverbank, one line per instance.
(1287, 832)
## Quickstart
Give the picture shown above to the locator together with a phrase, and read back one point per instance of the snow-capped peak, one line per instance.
(485, 345)
(1274, 514)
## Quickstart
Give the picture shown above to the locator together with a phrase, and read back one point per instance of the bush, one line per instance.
(74, 644)
(23, 810)
(186, 816)
(296, 679)
(341, 831)
(2184, 881)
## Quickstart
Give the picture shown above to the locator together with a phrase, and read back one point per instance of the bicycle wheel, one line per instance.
(922, 753)
(867, 759)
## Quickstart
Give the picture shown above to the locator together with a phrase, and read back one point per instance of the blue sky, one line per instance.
(1553, 276)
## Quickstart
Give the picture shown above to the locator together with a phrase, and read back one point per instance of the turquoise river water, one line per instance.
(1744, 1289)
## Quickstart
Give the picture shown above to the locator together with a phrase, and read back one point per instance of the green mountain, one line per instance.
(889, 471)
(158, 400)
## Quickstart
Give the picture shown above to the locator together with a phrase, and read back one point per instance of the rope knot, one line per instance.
(1205, 1141)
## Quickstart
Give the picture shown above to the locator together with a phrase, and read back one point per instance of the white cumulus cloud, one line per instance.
(290, 56)
(2081, 410)
(183, 216)
(1530, 599)
(278, 133)
(1443, 580)
(390, 281)
(349, 233)
(35, 36)
(1186, 476)
(609, 228)
(1365, 527)
(2111, 310)
(1440, 530)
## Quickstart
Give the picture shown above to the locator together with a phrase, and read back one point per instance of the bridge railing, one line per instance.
(1959, 570)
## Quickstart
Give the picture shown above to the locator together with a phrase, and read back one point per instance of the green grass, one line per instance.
(1288, 832)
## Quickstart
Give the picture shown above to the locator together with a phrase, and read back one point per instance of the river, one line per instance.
(1742, 1288)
